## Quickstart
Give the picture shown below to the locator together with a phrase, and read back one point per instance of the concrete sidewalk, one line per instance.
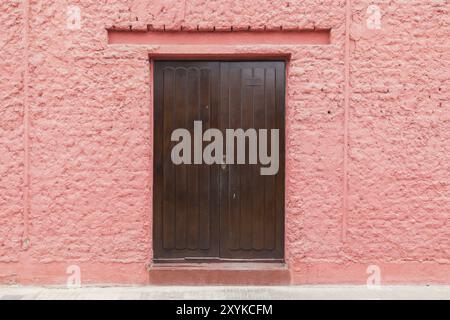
(225, 293)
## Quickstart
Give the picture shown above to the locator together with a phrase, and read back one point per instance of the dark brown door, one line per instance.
(217, 212)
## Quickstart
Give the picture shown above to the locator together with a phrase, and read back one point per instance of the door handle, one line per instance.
(223, 165)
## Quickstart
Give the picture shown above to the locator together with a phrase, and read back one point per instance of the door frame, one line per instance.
(219, 58)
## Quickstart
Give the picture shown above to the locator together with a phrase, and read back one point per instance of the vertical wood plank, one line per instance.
(235, 101)
(204, 174)
(169, 169)
(269, 183)
(224, 203)
(180, 170)
(214, 219)
(258, 180)
(193, 197)
(246, 184)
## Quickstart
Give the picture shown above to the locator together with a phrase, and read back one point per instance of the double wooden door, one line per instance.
(217, 212)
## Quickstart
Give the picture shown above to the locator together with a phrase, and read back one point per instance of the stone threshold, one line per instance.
(235, 273)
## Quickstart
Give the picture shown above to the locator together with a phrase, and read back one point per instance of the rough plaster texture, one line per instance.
(11, 134)
(90, 141)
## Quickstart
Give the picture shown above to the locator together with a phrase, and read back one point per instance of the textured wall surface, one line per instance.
(89, 106)
(11, 138)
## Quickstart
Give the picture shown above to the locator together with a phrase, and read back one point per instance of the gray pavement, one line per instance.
(222, 292)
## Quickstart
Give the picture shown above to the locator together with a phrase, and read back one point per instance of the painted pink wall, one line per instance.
(87, 147)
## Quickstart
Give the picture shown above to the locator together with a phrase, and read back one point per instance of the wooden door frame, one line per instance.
(219, 58)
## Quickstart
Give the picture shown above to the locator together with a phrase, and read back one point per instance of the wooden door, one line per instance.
(217, 212)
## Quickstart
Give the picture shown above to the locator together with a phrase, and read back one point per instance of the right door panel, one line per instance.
(252, 95)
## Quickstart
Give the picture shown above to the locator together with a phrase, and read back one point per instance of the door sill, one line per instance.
(221, 273)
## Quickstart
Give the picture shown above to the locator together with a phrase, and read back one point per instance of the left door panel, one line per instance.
(186, 196)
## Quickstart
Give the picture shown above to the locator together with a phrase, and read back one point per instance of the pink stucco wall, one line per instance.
(76, 114)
